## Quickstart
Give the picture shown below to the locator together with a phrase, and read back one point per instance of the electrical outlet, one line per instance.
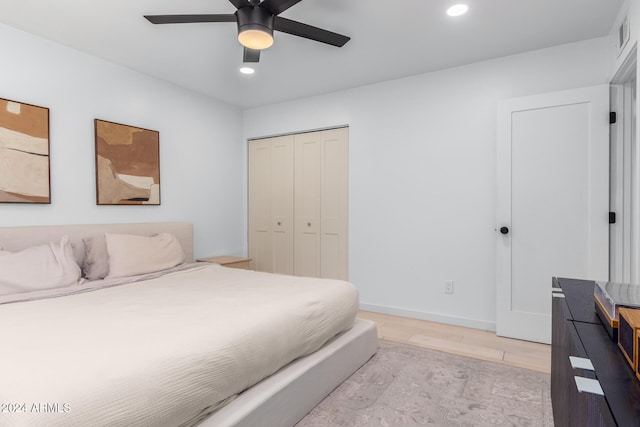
(448, 287)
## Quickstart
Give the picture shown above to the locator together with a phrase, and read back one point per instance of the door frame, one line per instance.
(624, 238)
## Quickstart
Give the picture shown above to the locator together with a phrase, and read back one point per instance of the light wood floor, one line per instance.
(468, 342)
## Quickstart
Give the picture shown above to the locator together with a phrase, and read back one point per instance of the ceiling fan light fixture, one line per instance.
(255, 39)
(255, 27)
(256, 21)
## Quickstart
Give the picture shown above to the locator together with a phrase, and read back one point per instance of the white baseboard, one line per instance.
(432, 317)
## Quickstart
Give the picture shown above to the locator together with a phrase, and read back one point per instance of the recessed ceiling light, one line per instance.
(457, 10)
(247, 70)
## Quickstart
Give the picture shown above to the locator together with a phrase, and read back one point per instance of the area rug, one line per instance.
(403, 385)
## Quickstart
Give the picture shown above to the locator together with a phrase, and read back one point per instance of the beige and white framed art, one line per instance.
(127, 164)
(24, 153)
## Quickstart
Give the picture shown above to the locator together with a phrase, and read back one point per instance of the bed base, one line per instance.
(278, 401)
(287, 396)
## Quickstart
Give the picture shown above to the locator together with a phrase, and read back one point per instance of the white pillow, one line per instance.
(130, 255)
(39, 267)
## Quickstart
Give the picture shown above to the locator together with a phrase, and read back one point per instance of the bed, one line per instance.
(193, 344)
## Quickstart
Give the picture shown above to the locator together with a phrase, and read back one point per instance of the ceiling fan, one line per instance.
(256, 20)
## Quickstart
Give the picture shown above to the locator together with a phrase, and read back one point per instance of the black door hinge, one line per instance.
(612, 217)
(612, 117)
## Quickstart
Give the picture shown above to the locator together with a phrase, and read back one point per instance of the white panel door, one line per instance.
(335, 204)
(308, 148)
(552, 206)
(260, 205)
(281, 195)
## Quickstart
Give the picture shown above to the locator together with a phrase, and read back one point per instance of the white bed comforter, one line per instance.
(162, 352)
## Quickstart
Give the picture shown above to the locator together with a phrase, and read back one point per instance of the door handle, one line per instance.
(504, 230)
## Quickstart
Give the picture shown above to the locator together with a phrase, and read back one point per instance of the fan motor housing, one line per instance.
(255, 18)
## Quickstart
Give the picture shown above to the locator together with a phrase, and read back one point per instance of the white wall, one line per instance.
(423, 175)
(200, 155)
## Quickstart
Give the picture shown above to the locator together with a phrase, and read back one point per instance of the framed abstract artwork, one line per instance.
(24, 153)
(127, 164)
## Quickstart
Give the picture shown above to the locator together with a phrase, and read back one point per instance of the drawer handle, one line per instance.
(279, 223)
(308, 224)
(581, 363)
(587, 385)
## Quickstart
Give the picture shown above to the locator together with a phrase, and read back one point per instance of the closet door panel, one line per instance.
(334, 204)
(260, 252)
(308, 148)
(331, 265)
(281, 191)
(259, 205)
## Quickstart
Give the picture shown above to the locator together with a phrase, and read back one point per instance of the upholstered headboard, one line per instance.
(18, 238)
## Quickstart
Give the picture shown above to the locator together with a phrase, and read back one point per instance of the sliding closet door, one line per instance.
(308, 175)
(335, 204)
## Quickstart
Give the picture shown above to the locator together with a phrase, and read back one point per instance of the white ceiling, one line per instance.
(389, 39)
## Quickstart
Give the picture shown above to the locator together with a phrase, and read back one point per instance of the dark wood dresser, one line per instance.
(577, 331)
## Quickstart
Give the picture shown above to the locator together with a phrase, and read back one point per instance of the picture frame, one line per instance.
(25, 168)
(127, 164)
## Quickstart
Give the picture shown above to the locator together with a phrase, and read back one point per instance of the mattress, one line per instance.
(160, 352)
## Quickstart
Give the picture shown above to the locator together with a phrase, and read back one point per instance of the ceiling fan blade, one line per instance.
(309, 32)
(187, 19)
(278, 6)
(251, 55)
